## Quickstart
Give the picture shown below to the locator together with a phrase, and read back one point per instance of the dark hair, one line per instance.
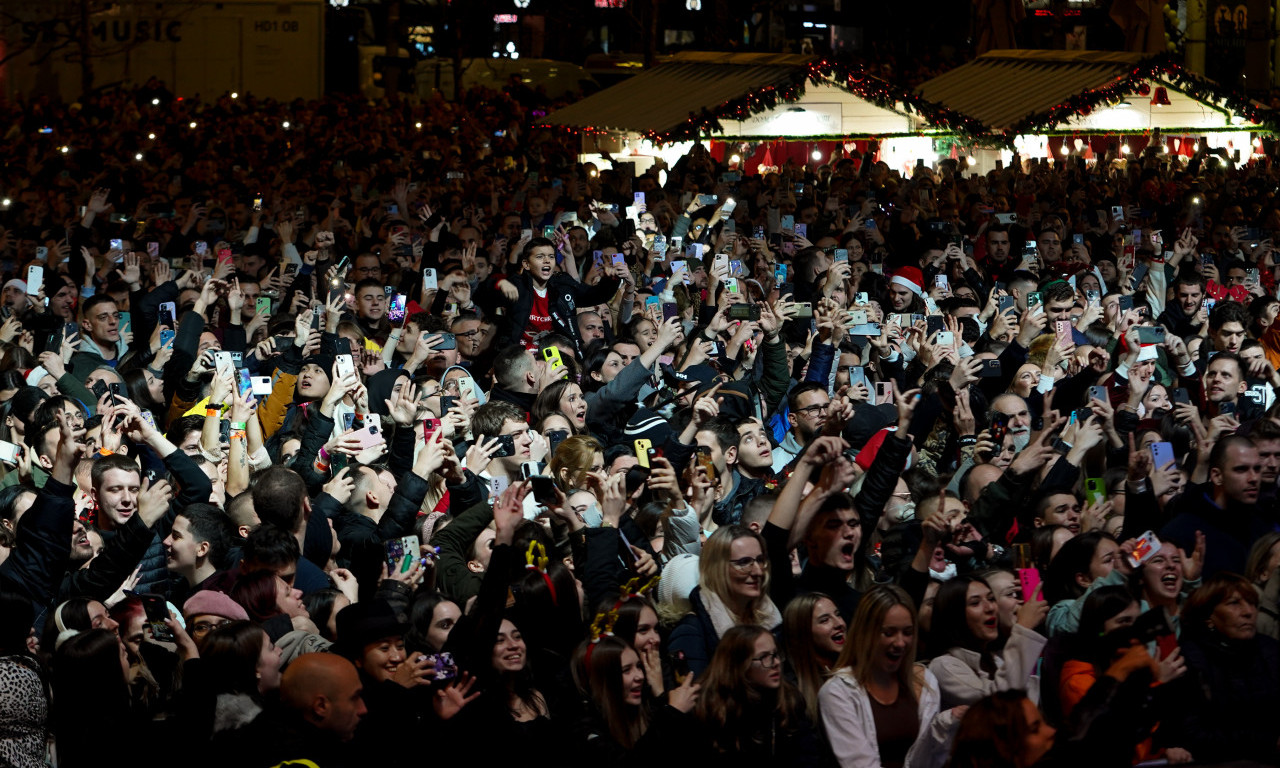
(993, 733)
(93, 301)
(725, 431)
(1042, 545)
(230, 655)
(1073, 559)
(950, 627)
(256, 592)
(421, 613)
(208, 523)
(510, 365)
(270, 546)
(803, 388)
(19, 615)
(279, 494)
(319, 605)
(597, 672)
(140, 393)
(548, 402)
(1228, 312)
(1100, 606)
(181, 427)
(88, 677)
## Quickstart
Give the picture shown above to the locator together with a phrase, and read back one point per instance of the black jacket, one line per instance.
(564, 296)
(35, 564)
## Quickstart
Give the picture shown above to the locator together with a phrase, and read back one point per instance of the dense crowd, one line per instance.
(334, 431)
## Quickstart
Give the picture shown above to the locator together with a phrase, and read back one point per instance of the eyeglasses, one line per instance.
(745, 563)
(209, 626)
(810, 410)
(467, 334)
(768, 660)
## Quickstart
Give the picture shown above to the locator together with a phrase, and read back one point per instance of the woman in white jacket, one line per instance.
(966, 624)
(879, 710)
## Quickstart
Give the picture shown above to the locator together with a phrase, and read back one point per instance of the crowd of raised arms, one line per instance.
(341, 432)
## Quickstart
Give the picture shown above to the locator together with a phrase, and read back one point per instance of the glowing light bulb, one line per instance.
(1124, 149)
(285, 124)
(1066, 150)
(192, 125)
(138, 156)
(65, 149)
(817, 154)
(235, 95)
(735, 159)
(155, 102)
(6, 202)
(418, 125)
(151, 136)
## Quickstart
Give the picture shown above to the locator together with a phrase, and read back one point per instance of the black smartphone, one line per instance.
(100, 388)
(990, 369)
(1126, 303)
(1139, 272)
(544, 491)
(118, 392)
(1226, 409)
(506, 446)
(933, 324)
(554, 438)
(1180, 395)
(447, 341)
(157, 611)
(447, 403)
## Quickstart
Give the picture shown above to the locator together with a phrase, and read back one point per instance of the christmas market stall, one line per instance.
(1063, 105)
(759, 111)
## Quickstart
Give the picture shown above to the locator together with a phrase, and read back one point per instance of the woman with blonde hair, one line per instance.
(813, 634)
(576, 457)
(733, 589)
(880, 708)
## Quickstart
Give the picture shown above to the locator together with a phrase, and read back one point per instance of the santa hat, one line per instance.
(911, 278)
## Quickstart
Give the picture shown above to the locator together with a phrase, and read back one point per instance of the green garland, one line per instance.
(851, 78)
(1160, 67)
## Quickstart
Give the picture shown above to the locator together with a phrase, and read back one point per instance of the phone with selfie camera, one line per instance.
(506, 446)
(1146, 547)
(157, 610)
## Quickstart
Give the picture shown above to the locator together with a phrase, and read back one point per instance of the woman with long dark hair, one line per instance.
(623, 724)
(750, 714)
(813, 635)
(966, 628)
(243, 666)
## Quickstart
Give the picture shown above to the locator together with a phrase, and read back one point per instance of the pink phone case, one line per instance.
(1029, 578)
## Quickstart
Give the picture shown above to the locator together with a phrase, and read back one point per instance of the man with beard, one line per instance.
(808, 405)
(1017, 417)
(1186, 314)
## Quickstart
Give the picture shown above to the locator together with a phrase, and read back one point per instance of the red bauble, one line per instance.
(1144, 89)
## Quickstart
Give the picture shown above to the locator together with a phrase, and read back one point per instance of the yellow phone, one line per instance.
(552, 356)
(642, 452)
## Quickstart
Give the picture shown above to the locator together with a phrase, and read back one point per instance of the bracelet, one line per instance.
(237, 434)
(212, 412)
(968, 440)
(238, 425)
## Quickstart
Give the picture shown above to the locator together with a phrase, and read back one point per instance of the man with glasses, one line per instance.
(367, 267)
(100, 342)
(473, 337)
(808, 406)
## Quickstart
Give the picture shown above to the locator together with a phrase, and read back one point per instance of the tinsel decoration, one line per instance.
(1136, 81)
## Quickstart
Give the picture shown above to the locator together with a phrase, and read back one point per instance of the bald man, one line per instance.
(325, 691)
(320, 705)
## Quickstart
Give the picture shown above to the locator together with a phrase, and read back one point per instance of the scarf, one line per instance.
(722, 620)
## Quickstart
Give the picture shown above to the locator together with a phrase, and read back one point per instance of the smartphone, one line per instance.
(990, 369)
(1139, 272)
(549, 232)
(1180, 395)
(395, 310)
(1151, 334)
(1100, 393)
(157, 611)
(946, 339)
(1147, 547)
(401, 553)
(933, 324)
(1035, 299)
(884, 392)
(8, 452)
(670, 309)
(1162, 455)
(1007, 303)
(804, 311)
(223, 364)
(1095, 490)
(1226, 409)
(1117, 212)
(168, 314)
(789, 224)
(35, 280)
(166, 337)
(1062, 328)
(552, 356)
(643, 448)
(506, 446)
(202, 248)
(126, 323)
(429, 282)
(447, 341)
(370, 435)
(1077, 239)
(1029, 581)
(750, 312)
(544, 491)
